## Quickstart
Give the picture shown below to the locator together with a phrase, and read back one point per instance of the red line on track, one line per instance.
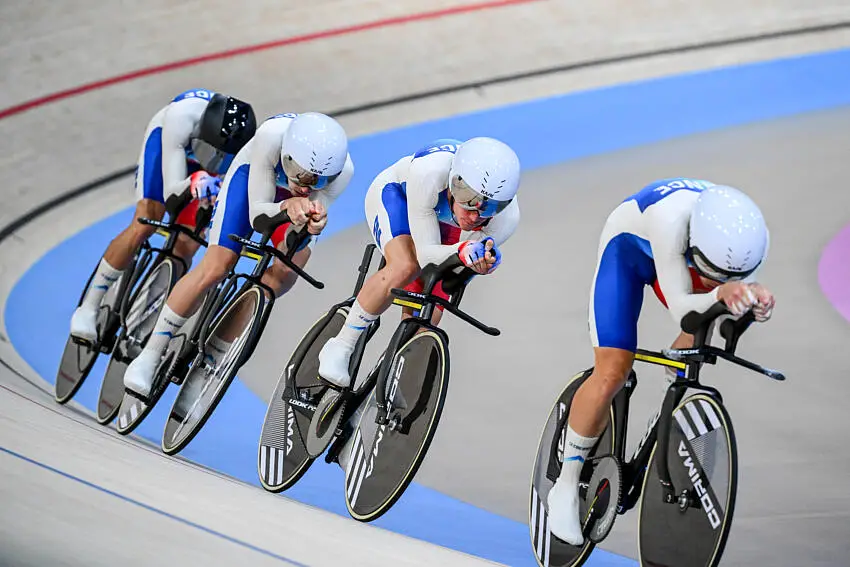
(235, 52)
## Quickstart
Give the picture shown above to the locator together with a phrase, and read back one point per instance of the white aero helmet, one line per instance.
(484, 176)
(314, 150)
(728, 235)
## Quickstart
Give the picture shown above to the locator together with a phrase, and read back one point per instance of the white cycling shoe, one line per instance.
(84, 323)
(564, 513)
(333, 363)
(139, 375)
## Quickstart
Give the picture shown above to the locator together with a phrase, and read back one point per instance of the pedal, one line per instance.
(324, 423)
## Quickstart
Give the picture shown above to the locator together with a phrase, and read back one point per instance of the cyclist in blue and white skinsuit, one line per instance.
(187, 145)
(695, 243)
(294, 163)
(447, 198)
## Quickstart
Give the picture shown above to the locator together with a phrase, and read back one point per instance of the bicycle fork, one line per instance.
(658, 428)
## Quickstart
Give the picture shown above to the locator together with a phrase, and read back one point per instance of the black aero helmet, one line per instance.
(226, 126)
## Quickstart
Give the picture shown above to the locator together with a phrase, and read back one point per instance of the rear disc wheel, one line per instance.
(282, 456)
(78, 358)
(142, 313)
(549, 550)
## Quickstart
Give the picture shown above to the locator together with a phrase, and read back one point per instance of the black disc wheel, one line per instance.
(703, 465)
(549, 550)
(143, 310)
(208, 378)
(384, 458)
(282, 457)
(79, 357)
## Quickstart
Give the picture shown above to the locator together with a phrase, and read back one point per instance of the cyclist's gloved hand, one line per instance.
(474, 255)
(496, 256)
(737, 296)
(299, 209)
(204, 186)
(763, 307)
(318, 220)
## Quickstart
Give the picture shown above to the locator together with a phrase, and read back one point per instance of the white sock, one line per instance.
(103, 279)
(217, 348)
(167, 326)
(357, 321)
(576, 449)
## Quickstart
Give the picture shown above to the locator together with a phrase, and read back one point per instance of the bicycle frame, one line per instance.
(689, 364)
(262, 254)
(454, 284)
(170, 231)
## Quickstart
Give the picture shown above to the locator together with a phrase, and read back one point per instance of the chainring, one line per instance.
(324, 423)
(603, 497)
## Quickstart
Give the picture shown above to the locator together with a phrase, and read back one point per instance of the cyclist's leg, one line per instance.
(186, 248)
(448, 235)
(123, 247)
(615, 302)
(121, 250)
(279, 277)
(386, 214)
(230, 217)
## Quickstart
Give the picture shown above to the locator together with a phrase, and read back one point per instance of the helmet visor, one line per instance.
(709, 270)
(211, 159)
(303, 177)
(470, 200)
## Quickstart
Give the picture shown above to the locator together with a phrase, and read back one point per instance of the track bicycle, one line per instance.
(683, 471)
(237, 314)
(390, 417)
(140, 309)
(80, 355)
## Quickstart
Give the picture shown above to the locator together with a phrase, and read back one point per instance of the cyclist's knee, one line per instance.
(279, 277)
(610, 372)
(148, 209)
(141, 232)
(401, 272)
(214, 267)
(186, 248)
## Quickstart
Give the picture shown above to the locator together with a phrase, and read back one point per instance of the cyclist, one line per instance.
(188, 144)
(295, 163)
(447, 198)
(695, 243)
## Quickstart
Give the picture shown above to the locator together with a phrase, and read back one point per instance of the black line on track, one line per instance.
(649, 54)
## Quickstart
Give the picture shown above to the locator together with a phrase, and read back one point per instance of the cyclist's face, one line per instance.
(298, 190)
(708, 284)
(467, 220)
